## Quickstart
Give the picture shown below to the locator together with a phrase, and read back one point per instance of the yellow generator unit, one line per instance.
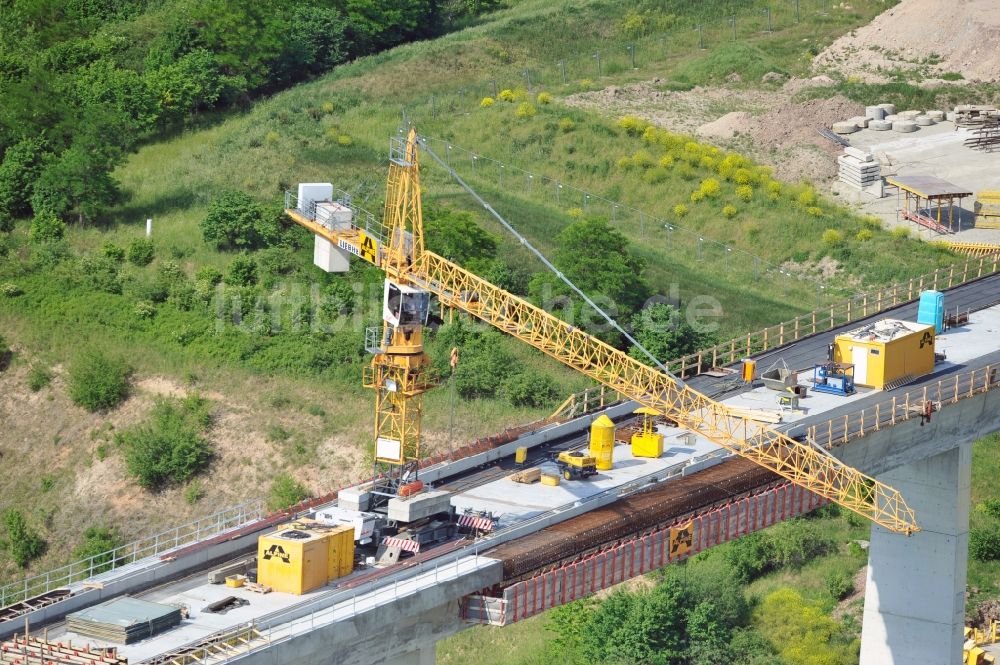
(297, 559)
(602, 442)
(887, 352)
(648, 442)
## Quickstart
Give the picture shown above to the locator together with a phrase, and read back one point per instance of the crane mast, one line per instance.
(400, 371)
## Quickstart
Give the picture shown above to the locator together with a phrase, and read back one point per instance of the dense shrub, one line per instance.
(984, 544)
(140, 252)
(21, 541)
(285, 492)
(525, 110)
(242, 271)
(839, 584)
(486, 102)
(98, 543)
(98, 381)
(169, 447)
(543, 98)
(566, 125)
(529, 388)
(729, 211)
(47, 227)
(833, 238)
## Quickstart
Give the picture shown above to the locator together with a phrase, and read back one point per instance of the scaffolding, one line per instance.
(928, 196)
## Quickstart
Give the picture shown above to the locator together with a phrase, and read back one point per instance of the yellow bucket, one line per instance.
(235, 581)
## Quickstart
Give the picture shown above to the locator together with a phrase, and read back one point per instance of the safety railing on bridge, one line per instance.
(836, 315)
(179, 536)
(920, 402)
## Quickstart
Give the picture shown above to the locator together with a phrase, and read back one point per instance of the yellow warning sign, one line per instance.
(681, 540)
(367, 247)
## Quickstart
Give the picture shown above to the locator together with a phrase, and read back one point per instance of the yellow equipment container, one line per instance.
(294, 560)
(550, 480)
(341, 551)
(521, 455)
(648, 442)
(749, 369)
(886, 351)
(602, 442)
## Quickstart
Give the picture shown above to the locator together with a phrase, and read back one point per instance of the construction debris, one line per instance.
(123, 620)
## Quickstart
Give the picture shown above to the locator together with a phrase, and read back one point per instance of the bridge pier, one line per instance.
(915, 597)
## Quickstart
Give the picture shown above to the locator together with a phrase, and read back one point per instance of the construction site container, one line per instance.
(887, 352)
(294, 560)
(341, 551)
(647, 444)
(749, 369)
(521, 455)
(931, 310)
(602, 442)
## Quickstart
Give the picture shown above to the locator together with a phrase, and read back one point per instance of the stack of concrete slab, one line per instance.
(857, 168)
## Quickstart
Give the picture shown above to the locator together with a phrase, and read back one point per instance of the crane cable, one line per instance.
(548, 264)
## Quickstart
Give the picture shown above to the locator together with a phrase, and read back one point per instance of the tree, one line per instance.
(664, 332)
(78, 183)
(22, 542)
(455, 235)
(597, 259)
(22, 164)
(191, 83)
(708, 636)
(235, 220)
(529, 388)
(98, 381)
(46, 227)
(242, 272)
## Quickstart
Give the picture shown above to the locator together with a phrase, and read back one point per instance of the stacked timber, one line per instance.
(988, 210)
(857, 168)
(123, 620)
(34, 651)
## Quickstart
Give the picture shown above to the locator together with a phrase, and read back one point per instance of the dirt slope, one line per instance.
(926, 37)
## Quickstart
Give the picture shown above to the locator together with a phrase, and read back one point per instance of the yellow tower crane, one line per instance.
(400, 373)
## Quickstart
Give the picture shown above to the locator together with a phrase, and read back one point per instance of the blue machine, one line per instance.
(930, 311)
(834, 378)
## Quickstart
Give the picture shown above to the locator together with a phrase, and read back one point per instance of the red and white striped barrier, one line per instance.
(404, 544)
(476, 522)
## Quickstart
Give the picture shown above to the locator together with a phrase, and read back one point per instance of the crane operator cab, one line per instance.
(405, 306)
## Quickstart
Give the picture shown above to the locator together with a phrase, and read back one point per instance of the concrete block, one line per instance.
(312, 192)
(858, 153)
(892, 117)
(880, 125)
(889, 108)
(874, 112)
(936, 116)
(330, 258)
(845, 127)
(859, 120)
(924, 120)
(909, 115)
(419, 506)
(334, 216)
(904, 126)
(354, 498)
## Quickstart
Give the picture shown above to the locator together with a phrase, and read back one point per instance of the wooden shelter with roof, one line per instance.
(929, 195)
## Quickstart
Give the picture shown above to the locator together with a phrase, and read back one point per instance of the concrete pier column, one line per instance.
(915, 598)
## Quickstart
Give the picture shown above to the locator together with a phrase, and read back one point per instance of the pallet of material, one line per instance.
(123, 620)
(527, 476)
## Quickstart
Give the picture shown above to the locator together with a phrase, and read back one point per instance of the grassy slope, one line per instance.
(279, 142)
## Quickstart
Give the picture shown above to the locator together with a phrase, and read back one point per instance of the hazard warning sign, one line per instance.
(681, 540)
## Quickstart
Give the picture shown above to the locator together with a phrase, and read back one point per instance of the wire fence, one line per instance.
(124, 555)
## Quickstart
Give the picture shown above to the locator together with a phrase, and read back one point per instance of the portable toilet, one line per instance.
(886, 351)
(930, 311)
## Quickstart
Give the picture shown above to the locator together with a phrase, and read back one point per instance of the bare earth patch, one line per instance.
(922, 36)
(765, 124)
